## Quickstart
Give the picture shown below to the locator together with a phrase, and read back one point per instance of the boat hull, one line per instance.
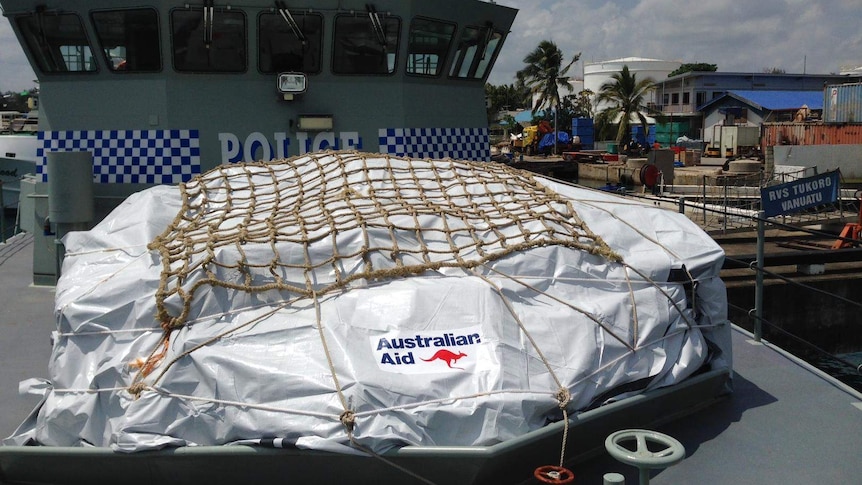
(508, 462)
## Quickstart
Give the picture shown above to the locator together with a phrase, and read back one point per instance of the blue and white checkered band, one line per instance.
(129, 156)
(457, 143)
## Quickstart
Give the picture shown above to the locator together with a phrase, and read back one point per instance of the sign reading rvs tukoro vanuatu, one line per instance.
(800, 194)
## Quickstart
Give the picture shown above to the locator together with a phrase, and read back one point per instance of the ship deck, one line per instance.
(786, 422)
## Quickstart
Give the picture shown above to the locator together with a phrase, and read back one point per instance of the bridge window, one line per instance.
(365, 43)
(429, 43)
(477, 48)
(57, 42)
(289, 42)
(129, 39)
(209, 39)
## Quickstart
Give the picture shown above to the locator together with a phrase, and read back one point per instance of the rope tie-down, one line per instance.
(283, 227)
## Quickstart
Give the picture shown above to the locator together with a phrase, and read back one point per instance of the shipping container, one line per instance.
(677, 128)
(587, 143)
(740, 136)
(582, 127)
(584, 130)
(811, 134)
(638, 134)
(843, 103)
(582, 123)
(666, 139)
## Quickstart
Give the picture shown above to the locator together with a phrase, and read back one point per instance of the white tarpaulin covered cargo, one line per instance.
(344, 296)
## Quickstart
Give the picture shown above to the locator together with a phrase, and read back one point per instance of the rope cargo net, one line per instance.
(316, 214)
(300, 267)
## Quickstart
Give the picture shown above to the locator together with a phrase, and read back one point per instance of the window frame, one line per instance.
(335, 53)
(321, 39)
(218, 10)
(476, 60)
(443, 62)
(105, 57)
(38, 53)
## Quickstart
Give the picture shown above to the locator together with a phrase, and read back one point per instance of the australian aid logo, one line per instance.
(427, 352)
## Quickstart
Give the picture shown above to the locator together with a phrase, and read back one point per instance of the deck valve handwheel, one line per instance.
(553, 474)
(642, 456)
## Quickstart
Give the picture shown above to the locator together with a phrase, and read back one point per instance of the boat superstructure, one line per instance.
(161, 91)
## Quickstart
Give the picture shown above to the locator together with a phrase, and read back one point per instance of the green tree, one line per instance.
(694, 67)
(544, 74)
(582, 104)
(15, 101)
(505, 97)
(572, 106)
(626, 96)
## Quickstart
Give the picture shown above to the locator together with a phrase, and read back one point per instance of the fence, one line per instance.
(731, 202)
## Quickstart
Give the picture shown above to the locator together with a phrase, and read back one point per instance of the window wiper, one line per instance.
(376, 25)
(489, 34)
(209, 10)
(44, 43)
(291, 22)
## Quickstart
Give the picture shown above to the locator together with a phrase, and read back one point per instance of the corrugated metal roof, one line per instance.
(781, 100)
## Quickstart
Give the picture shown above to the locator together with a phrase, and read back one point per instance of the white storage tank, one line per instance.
(598, 73)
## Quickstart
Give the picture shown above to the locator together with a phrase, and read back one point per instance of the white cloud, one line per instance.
(15, 71)
(792, 35)
(738, 36)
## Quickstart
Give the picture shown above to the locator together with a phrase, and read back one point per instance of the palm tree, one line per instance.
(626, 96)
(544, 74)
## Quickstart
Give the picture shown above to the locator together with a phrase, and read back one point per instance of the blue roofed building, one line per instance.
(781, 114)
(749, 106)
(704, 98)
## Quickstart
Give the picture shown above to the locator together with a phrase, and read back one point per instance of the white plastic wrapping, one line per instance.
(450, 357)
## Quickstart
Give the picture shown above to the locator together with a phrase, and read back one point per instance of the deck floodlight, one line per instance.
(292, 82)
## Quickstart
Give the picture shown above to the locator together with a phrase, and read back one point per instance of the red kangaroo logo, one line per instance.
(447, 357)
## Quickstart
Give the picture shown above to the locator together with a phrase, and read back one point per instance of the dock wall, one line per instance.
(622, 173)
(847, 158)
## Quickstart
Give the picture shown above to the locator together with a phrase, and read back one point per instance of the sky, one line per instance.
(811, 36)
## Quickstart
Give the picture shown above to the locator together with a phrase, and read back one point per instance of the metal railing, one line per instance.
(731, 202)
(756, 313)
(2, 216)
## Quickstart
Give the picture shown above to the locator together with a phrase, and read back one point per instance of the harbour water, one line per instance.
(838, 367)
(7, 228)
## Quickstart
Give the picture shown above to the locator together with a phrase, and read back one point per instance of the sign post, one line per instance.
(787, 198)
(800, 194)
